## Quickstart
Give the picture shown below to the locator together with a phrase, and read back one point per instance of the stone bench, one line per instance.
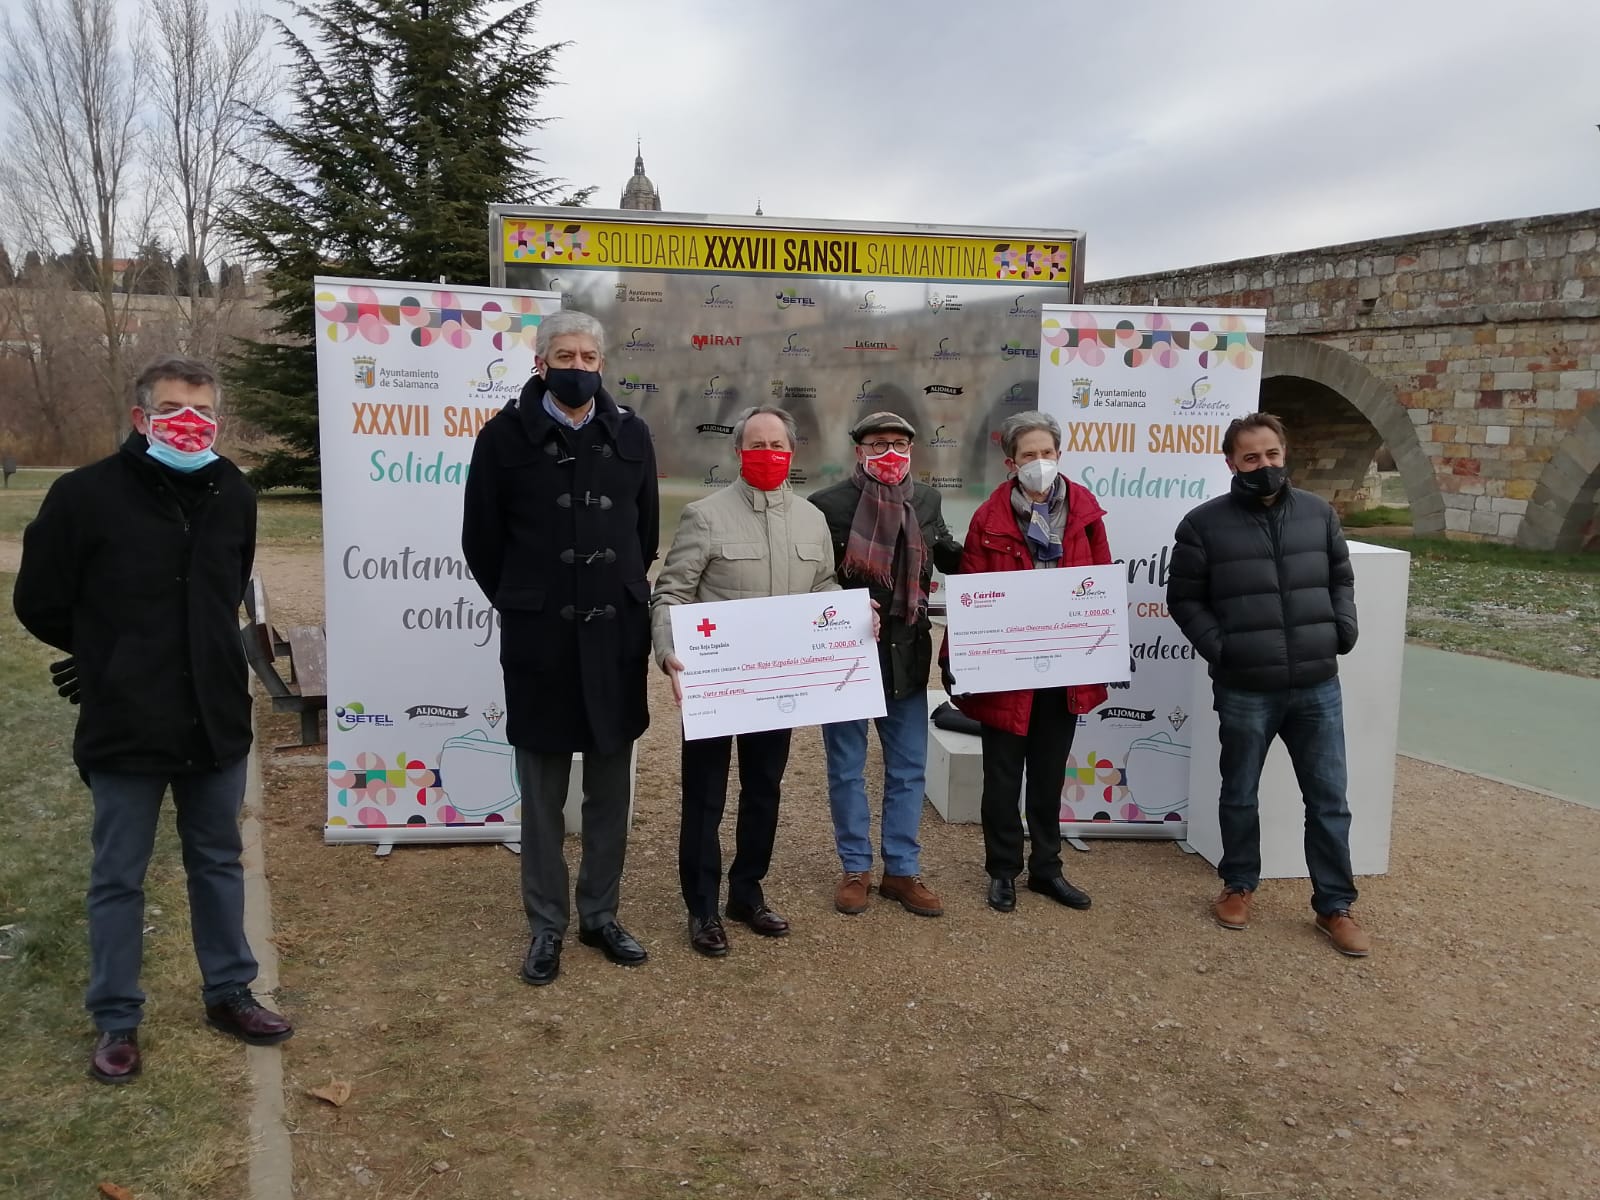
(955, 770)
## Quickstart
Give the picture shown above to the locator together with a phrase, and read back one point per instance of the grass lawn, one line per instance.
(1524, 605)
(177, 1132)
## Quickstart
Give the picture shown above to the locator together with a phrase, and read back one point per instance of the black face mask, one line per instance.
(1260, 483)
(572, 388)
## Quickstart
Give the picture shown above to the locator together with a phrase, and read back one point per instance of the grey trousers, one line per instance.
(126, 811)
(543, 781)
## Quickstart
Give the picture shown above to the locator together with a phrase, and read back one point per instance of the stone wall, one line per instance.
(1484, 340)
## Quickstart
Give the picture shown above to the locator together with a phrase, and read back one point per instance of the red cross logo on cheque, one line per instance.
(705, 627)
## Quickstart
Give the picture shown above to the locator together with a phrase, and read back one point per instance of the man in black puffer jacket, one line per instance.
(136, 566)
(1261, 584)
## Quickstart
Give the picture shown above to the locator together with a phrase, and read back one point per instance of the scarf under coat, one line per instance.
(886, 546)
(1042, 524)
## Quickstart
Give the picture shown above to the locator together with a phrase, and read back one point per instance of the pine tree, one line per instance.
(406, 115)
(8, 276)
(151, 272)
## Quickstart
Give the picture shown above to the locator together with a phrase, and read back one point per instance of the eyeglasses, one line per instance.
(899, 446)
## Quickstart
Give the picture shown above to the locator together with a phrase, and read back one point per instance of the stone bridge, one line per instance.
(1471, 354)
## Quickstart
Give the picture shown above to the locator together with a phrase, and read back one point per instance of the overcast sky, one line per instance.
(1172, 134)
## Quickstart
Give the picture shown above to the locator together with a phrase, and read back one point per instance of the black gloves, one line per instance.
(64, 675)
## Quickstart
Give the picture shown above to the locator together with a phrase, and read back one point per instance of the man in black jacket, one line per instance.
(560, 523)
(888, 535)
(1261, 584)
(136, 566)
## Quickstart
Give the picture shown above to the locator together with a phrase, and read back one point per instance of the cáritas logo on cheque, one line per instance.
(980, 599)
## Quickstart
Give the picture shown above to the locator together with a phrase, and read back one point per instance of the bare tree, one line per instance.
(208, 78)
(71, 83)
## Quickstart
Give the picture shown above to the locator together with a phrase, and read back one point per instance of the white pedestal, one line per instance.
(955, 771)
(1370, 680)
(572, 811)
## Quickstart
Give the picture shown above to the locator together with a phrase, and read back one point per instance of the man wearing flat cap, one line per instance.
(888, 535)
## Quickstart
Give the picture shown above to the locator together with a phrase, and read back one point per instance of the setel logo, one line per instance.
(354, 715)
(702, 340)
(639, 344)
(793, 348)
(791, 298)
(1015, 349)
(636, 386)
(366, 370)
(715, 301)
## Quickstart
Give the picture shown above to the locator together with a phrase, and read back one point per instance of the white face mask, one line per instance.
(1038, 475)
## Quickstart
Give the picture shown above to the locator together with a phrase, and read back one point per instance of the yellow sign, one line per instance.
(536, 242)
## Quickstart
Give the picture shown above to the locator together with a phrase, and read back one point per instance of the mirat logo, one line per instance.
(701, 340)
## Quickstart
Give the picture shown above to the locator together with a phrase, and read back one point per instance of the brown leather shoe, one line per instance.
(850, 896)
(242, 1016)
(912, 894)
(1347, 937)
(116, 1057)
(760, 918)
(1232, 908)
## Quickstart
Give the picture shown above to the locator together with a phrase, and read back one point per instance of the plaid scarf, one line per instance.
(1042, 524)
(885, 534)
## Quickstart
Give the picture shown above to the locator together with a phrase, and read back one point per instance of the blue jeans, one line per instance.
(1311, 723)
(903, 733)
(126, 811)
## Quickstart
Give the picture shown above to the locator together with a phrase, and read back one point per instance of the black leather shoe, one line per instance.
(116, 1057)
(708, 937)
(1002, 894)
(760, 918)
(1059, 890)
(619, 945)
(242, 1016)
(543, 962)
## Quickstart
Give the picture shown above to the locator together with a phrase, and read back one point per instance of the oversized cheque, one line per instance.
(777, 663)
(1024, 630)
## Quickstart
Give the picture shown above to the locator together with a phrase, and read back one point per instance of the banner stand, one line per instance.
(407, 376)
(1144, 396)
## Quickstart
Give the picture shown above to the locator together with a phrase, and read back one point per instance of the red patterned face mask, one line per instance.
(187, 431)
(889, 467)
(765, 470)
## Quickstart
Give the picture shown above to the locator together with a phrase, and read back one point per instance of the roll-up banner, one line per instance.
(1143, 397)
(407, 374)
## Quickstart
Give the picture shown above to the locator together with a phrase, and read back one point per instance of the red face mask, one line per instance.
(889, 467)
(186, 430)
(765, 470)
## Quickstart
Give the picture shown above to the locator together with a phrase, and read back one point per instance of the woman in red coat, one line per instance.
(1036, 519)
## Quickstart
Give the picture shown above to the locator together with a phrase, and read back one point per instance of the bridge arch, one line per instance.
(1564, 513)
(1339, 413)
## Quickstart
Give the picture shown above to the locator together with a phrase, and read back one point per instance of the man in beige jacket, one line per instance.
(754, 538)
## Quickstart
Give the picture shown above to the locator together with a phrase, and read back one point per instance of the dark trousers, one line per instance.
(1311, 723)
(543, 780)
(126, 811)
(1043, 750)
(762, 759)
